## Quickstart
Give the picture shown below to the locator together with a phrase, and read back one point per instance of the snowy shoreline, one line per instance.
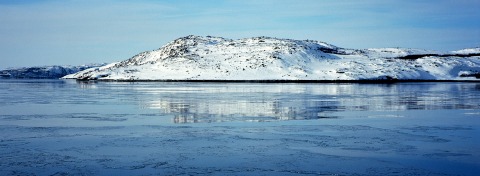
(280, 81)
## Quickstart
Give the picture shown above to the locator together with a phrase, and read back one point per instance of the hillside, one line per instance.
(265, 58)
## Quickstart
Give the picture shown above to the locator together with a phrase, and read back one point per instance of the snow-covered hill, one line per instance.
(266, 58)
(44, 72)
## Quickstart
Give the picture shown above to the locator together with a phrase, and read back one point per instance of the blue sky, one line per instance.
(48, 32)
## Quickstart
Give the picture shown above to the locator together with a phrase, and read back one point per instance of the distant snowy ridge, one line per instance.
(44, 72)
(196, 58)
(468, 51)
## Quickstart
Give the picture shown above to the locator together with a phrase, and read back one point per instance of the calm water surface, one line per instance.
(64, 127)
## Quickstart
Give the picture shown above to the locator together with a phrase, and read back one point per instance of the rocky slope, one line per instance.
(266, 58)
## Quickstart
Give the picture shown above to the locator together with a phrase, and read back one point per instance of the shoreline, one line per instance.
(281, 81)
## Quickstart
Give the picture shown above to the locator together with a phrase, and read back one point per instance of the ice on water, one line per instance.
(62, 127)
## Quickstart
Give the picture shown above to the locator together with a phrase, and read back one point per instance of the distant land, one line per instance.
(44, 72)
(267, 59)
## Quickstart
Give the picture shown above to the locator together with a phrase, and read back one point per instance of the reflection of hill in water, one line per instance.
(266, 102)
(243, 111)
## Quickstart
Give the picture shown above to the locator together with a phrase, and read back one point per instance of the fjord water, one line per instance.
(64, 127)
